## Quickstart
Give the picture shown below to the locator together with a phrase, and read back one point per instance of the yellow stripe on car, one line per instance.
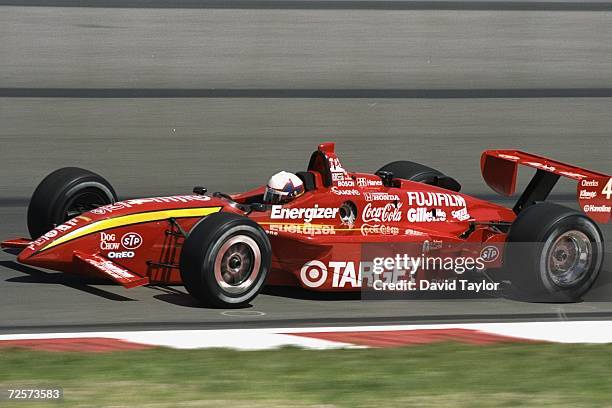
(130, 219)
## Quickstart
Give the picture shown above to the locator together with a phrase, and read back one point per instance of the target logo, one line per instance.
(489, 253)
(131, 240)
(313, 274)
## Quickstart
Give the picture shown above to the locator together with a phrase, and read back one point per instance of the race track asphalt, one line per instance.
(160, 100)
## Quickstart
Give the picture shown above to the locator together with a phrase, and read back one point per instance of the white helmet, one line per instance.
(282, 188)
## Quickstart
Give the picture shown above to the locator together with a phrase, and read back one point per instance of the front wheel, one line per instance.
(225, 260)
(553, 253)
(63, 195)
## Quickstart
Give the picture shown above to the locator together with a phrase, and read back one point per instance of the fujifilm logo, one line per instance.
(307, 214)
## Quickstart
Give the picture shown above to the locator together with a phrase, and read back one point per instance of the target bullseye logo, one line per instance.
(313, 274)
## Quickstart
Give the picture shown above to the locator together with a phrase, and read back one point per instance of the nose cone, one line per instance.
(50, 259)
(45, 252)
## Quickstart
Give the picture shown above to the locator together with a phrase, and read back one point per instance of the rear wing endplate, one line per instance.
(500, 168)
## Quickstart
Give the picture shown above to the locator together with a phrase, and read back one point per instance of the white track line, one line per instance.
(257, 339)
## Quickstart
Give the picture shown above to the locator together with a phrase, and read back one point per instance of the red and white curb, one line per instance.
(319, 337)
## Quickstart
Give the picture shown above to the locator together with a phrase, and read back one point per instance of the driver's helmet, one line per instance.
(282, 188)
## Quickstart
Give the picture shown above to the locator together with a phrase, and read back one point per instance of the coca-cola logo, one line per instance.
(389, 213)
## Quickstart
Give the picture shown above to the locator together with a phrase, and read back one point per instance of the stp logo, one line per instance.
(489, 253)
(131, 240)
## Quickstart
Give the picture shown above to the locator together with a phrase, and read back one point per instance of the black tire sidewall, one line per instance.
(200, 251)
(576, 223)
(527, 248)
(48, 202)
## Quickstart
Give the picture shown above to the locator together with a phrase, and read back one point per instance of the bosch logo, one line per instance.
(313, 274)
(489, 253)
(131, 240)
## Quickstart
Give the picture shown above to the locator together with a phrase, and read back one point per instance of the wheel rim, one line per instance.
(237, 264)
(84, 201)
(569, 258)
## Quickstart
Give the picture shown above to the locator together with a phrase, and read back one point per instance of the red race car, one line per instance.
(327, 229)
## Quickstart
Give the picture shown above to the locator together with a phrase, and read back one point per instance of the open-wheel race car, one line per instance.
(323, 230)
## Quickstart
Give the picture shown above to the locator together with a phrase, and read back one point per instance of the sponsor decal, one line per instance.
(344, 274)
(388, 213)
(346, 183)
(378, 229)
(339, 191)
(65, 227)
(410, 231)
(489, 254)
(313, 274)
(307, 214)
(108, 242)
(383, 271)
(461, 215)
(366, 182)
(120, 205)
(587, 195)
(121, 255)
(337, 176)
(376, 196)
(421, 214)
(131, 240)
(594, 196)
(335, 166)
(303, 229)
(112, 269)
(429, 199)
(589, 183)
(597, 208)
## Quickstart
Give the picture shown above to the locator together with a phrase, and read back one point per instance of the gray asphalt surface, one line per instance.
(149, 146)
(153, 48)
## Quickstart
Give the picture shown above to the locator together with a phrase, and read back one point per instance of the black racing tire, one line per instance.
(553, 254)
(412, 171)
(206, 260)
(64, 194)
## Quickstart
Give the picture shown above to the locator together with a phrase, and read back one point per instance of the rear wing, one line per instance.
(500, 168)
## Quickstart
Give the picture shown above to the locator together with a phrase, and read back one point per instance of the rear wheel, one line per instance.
(63, 195)
(225, 260)
(553, 253)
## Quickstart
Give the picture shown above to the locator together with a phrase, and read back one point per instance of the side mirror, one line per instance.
(199, 190)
